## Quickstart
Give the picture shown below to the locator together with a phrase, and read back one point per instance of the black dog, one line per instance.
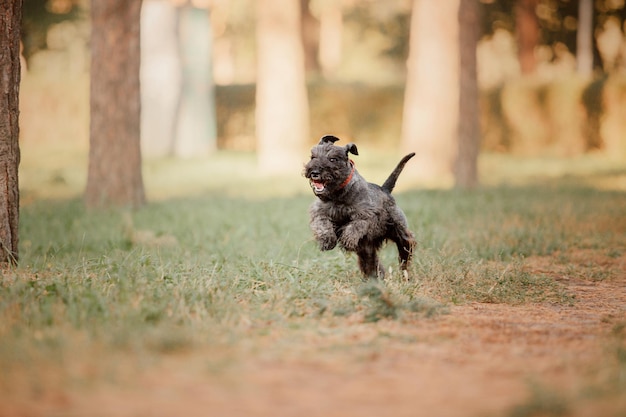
(358, 215)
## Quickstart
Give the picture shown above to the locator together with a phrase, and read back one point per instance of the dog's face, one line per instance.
(329, 166)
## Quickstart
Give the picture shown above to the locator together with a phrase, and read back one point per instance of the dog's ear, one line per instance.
(351, 147)
(328, 139)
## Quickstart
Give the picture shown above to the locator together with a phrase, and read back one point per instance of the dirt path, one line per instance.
(479, 360)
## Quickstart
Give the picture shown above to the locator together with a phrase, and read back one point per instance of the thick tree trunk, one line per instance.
(114, 175)
(10, 20)
(282, 114)
(466, 166)
(431, 101)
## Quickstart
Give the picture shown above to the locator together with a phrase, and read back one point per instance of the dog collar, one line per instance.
(343, 184)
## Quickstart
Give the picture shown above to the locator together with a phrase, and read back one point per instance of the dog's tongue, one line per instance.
(317, 186)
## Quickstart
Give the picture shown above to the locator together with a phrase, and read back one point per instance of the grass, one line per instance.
(216, 270)
(225, 259)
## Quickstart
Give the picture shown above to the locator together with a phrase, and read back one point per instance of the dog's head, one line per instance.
(329, 169)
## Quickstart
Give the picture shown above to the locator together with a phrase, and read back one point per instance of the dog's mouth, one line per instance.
(317, 186)
(316, 181)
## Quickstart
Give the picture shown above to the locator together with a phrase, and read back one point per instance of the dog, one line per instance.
(349, 211)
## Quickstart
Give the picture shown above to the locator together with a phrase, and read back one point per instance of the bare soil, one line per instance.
(478, 360)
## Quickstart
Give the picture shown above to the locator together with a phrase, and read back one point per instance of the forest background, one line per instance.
(214, 296)
(536, 97)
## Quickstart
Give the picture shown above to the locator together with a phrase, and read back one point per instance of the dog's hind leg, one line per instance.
(369, 263)
(405, 251)
(405, 242)
(402, 237)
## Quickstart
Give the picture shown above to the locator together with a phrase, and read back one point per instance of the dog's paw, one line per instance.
(327, 242)
(350, 241)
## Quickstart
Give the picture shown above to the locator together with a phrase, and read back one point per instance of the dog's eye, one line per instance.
(332, 159)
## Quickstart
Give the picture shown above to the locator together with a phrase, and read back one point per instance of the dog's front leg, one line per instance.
(324, 232)
(352, 234)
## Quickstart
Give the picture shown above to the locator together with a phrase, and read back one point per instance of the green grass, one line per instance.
(218, 270)
(227, 261)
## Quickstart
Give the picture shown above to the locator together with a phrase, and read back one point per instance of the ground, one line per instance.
(477, 360)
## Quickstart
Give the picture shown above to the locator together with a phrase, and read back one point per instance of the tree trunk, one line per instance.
(330, 40)
(466, 169)
(10, 20)
(196, 131)
(114, 175)
(431, 101)
(584, 38)
(527, 28)
(160, 77)
(282, 114)
(310, 28)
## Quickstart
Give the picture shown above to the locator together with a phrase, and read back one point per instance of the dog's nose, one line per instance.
(315, 175)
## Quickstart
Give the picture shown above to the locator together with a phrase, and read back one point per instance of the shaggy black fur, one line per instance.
(358, 215)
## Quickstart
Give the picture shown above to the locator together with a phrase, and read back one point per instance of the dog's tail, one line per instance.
(391, 181)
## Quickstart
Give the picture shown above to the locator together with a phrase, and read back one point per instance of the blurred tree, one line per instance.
(527, 31)
(310, 28)
(161, 77)
(282, 120)
(39, 16)
(10, 18)
(584, 38)
(390, 19)
(114, 174)
(196, 131)
(431, 101)
(466, 169)
(178, 114)
(607, 14)
(330, 36)
(554, 23)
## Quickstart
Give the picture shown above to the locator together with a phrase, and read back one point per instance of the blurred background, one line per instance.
(551, 80)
